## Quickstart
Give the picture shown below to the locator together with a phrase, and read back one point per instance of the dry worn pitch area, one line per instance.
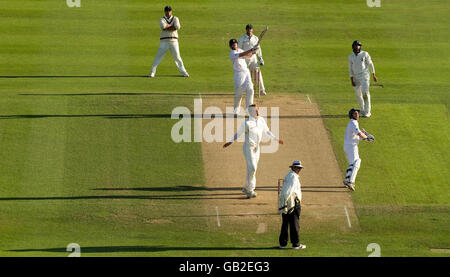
(326, 205)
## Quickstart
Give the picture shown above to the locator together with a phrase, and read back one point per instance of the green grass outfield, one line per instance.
(88, 158)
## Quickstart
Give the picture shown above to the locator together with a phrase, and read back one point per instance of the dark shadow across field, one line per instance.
(196, 188)
(81, 76)
(129, 116)
(230, 195)
(127, 94)
(137, 248)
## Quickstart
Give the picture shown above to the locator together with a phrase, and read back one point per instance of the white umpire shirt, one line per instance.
(351, 133)
(239, 64)
(360, 64)
(291, 189)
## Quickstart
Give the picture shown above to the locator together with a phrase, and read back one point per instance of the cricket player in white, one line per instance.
(351, 140)
(253, 127)
(247, 42)
(359, 63)
(242, 79)
(169, 25)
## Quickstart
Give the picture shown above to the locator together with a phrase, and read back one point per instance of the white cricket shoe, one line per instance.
(251, 194)
(349, 185)
(151, 75)
(282, 247)
(185, 74)
(300, 246)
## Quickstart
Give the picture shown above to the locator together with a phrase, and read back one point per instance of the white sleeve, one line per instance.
(176, 23)
(266, 129)
(370, 63)
(239, 132)
(162, 24)
(356, 127)
(350, 70)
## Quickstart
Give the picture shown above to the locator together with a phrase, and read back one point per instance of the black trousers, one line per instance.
(291, 223)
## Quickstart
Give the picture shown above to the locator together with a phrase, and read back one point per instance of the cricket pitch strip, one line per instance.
(327, 204)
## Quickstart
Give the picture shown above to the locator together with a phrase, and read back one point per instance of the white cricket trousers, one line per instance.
(362, 83)
(351, 152)
(164, 46)
(243, 84)
(252, 159)
(252, 65)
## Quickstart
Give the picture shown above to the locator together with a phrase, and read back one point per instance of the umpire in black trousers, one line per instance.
(289, 205)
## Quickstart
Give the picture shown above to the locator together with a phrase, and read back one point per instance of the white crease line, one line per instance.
(218, 220)
(309, 100)
(348, 217)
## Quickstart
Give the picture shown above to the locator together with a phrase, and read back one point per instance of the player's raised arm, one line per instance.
(236, 136)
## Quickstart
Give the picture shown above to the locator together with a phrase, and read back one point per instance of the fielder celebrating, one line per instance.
(289, 205)
(352, 136)
(253, 127)
(169, 40)
(242, 79)
(359, 63)
(247, 42)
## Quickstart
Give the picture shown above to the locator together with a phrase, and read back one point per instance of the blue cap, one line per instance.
(296, 164)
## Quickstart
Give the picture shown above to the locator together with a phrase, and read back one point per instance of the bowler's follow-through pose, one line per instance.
(359, 63)
(253, 127)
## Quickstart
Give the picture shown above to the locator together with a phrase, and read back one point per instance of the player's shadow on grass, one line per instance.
(70, 76)
(127, 94)
(198, 188)
(130, 197)
(81, 76)
(131, 116)
(137, 249)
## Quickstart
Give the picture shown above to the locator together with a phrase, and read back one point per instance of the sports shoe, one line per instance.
(282, 246)
(251, 194)
(151, 75)
(185, 74)
(300, 246)
(349, 185)
(262, 92)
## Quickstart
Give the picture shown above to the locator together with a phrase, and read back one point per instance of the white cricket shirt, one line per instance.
(164, 22)
(246, 43)
(360, 64)
(238, 62)
(254, 129)
(351, 133)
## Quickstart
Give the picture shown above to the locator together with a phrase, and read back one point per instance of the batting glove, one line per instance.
(370, 138)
